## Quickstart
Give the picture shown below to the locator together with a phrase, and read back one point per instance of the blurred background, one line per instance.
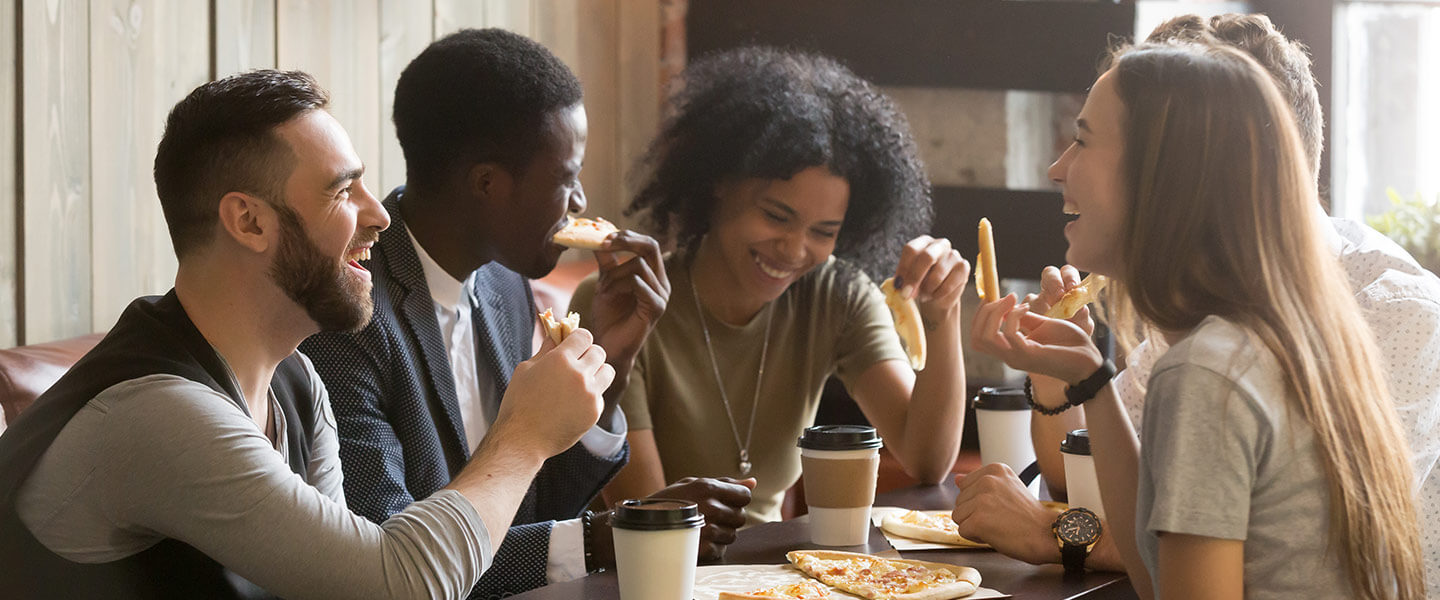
(991, 88)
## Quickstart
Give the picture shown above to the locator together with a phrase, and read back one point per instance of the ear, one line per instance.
(489, 181)
(248, 220)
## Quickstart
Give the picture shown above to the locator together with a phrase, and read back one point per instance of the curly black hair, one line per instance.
(768, 113)
(477, 95)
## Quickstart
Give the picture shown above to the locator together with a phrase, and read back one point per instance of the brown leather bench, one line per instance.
(27, 371)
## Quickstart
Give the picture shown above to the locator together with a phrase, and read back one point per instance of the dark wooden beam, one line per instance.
(1045, 45)
(1029, 226)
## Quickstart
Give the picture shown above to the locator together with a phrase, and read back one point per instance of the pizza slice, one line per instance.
(586, 234)
(878, 578)
(1078, 297)
(907, 323)
(559, 329)
(933, 526)
(805, 590)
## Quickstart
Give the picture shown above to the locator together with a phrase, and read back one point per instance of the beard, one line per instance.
(334, 299)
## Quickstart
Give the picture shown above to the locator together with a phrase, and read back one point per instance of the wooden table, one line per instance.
(768, 543)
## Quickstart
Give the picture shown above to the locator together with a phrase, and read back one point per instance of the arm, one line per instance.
(1047, 431)
(628, 297)
(921, 415)
(643, 475)
(1195, 567)
(994, 507)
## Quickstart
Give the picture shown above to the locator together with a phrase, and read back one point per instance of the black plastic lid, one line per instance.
(1001, 398)
(1076, 442)
(840, 437)
(656, 514)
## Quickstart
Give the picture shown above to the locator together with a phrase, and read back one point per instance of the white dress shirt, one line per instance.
(479, 404)
(1401, 303)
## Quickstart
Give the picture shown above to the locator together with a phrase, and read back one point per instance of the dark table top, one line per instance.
(768, 543)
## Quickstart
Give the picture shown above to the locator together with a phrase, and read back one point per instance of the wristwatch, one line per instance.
(1076, 530)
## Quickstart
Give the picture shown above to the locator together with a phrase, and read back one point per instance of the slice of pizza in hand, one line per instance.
(1078, 297)
(585, 234)
(878, 578)
(907, 323)
(559, 329)
(935, 526)
(805, 590)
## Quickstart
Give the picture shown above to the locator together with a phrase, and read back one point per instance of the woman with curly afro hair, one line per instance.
(789, 186)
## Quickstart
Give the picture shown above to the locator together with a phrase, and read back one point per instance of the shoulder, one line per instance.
(183, 413)
(1381, 272)
(1218, 361)
(837, 280)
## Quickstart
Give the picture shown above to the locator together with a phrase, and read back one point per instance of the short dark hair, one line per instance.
(764, 113)
(1287, 61)
(221, 139)
(477, 95)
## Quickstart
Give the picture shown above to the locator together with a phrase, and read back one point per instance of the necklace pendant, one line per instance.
(745, 463)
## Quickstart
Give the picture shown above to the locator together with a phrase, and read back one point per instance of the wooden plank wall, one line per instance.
(87, 86)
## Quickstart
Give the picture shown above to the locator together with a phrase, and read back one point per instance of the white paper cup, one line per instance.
(1002, 417)
(839, 465)
(657, 543)
(1082, 489)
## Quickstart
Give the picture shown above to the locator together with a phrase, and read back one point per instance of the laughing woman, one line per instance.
(789, 186)
(1272, 464)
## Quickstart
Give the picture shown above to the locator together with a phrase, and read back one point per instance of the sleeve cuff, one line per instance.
(566, 560)
(606, 443)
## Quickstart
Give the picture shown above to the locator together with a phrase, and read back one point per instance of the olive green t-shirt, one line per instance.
(831, 321)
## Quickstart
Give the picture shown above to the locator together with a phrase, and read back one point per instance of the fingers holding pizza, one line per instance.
(933, 274)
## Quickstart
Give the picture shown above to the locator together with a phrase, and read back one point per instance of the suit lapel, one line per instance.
(417, 313)
(494, 332)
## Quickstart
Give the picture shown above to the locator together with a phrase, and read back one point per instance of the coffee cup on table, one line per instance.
(1082, 489)
(839, 466)
(1002, 416)
(657, 543)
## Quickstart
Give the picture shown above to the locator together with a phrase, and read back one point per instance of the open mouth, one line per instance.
(771, 271)
(1071, 214)
(354, 257)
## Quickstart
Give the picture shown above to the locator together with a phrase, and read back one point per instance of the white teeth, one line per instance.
(1071, 211)
(771, 272)
(360, 255)
(365, 255)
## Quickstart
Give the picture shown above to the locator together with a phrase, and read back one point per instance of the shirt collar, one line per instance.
(445, 290)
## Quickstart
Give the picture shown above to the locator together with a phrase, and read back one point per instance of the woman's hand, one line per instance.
(1054, 284)
(1032, 343)
(934, 274)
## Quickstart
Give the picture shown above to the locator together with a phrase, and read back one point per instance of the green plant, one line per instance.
(1414, 224)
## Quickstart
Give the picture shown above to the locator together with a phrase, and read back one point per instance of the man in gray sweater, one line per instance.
(193, 453)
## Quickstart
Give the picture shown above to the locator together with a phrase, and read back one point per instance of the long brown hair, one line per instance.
(1220, 223)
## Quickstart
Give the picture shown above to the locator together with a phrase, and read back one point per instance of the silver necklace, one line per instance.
(715, 368)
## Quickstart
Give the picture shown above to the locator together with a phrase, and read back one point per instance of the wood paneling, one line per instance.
(140, 67)
(639, 90)
(337, 43)
(244, 36)
(9, 183)
(56, 153)
(405, 30)
(454, 15)
(934, 43)
(600, 75)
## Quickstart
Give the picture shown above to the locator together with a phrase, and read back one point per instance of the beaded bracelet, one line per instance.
(587, 525)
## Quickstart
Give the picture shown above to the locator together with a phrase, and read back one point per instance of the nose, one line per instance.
(1056, 172)
(577, 199)
(372, 214)
(792, 246)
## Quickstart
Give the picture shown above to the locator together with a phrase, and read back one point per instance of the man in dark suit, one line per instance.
(493, 131)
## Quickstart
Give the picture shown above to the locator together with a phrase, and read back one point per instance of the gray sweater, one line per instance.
(164, 457)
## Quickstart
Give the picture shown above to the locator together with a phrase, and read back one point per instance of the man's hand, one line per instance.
(630, 295)
(721, 500)
(555, 397)
(994, 507)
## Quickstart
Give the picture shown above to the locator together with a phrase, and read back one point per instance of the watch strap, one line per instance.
(1073, 557)
(1077, 394)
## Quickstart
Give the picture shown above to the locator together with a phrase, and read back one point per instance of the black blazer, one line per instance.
(401, 437)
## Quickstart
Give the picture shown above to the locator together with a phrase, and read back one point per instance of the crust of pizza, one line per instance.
(1078, 297)
(907, 323)
(586, 234)
(844, 570)
(929, 526)
(559, 329)
(805, 590)
(987, 279)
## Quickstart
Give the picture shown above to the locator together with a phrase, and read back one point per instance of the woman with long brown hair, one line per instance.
(1272, 463)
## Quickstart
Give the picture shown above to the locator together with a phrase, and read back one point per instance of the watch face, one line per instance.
(1078, 526)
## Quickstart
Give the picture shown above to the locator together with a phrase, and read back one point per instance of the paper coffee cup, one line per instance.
(657, 543)
(839, 466)
(1082, 489)
(1002, 417)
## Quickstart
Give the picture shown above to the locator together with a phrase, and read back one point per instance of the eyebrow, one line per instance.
(778, 205)
(351, 174)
